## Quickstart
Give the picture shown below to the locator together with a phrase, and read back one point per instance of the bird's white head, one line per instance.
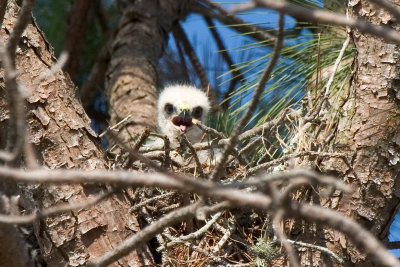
(177, 106)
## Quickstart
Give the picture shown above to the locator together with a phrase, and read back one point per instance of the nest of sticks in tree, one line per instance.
(236, 236)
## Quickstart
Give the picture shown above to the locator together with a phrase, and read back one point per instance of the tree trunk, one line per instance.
(132, 74)
(78, 22)
(368, 132)
(60, 132)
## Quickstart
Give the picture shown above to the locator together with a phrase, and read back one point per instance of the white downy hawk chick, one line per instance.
(177, 106)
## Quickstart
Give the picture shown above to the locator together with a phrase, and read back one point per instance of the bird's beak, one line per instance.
(183, 121)
(184, 114)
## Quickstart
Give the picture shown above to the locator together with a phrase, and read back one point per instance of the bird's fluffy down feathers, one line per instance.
(176, 100)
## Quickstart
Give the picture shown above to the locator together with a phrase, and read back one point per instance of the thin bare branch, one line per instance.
(265, 127)
(180, 35)
(26, 219)
(237, 75)
(243, 7)
(284, 158)
(146, 234)
(150, 200)
(142, 138)
(194, 235)
(253, 103)
(62, 59)
(133, 178)
(233, 21)
(315, 247)
(19, 27)
(208, 130)
(332, 18)
(116, 126)
(227, 234)
(16, 136)
(283, 239)
(194, 155)
(353, 230)
(336, 65)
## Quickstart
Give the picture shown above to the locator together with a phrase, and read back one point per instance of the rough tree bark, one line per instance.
(131, 79)
(368, 131)
(61, 135)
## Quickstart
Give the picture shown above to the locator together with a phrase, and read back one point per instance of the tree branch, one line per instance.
(253, 103)
(332, 18)
(180, 35)
(146, 234)
(237, 75)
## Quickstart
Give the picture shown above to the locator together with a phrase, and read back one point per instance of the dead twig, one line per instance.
(16, 137)
(237, 75)
(150, 200)
(195, 235)
(315, 247)
(146, 234)
(115, 126)
(180, 35)
(253, 103)
(194, 155)
(142, 138)
(266, 165)
(26, 219)
(277, 219)
(332, 18)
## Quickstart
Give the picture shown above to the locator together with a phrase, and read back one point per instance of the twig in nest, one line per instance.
(227, 234)
(141, 139)
(199, 249)
(208, 130)
(284, 158)
(146, 234)
(325, 96)
(319, 248)
(220, 135)
(194, 235)
(266, 127)
(167, 150)
(115, 126)
(282, 237)
(194, 154)
(150, 200)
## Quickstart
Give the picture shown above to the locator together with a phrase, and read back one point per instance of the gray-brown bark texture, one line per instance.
(131, 79)
(368, 130)
(60, 132)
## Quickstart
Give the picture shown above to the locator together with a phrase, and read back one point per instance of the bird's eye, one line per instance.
(197, 112)
(169, 108)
